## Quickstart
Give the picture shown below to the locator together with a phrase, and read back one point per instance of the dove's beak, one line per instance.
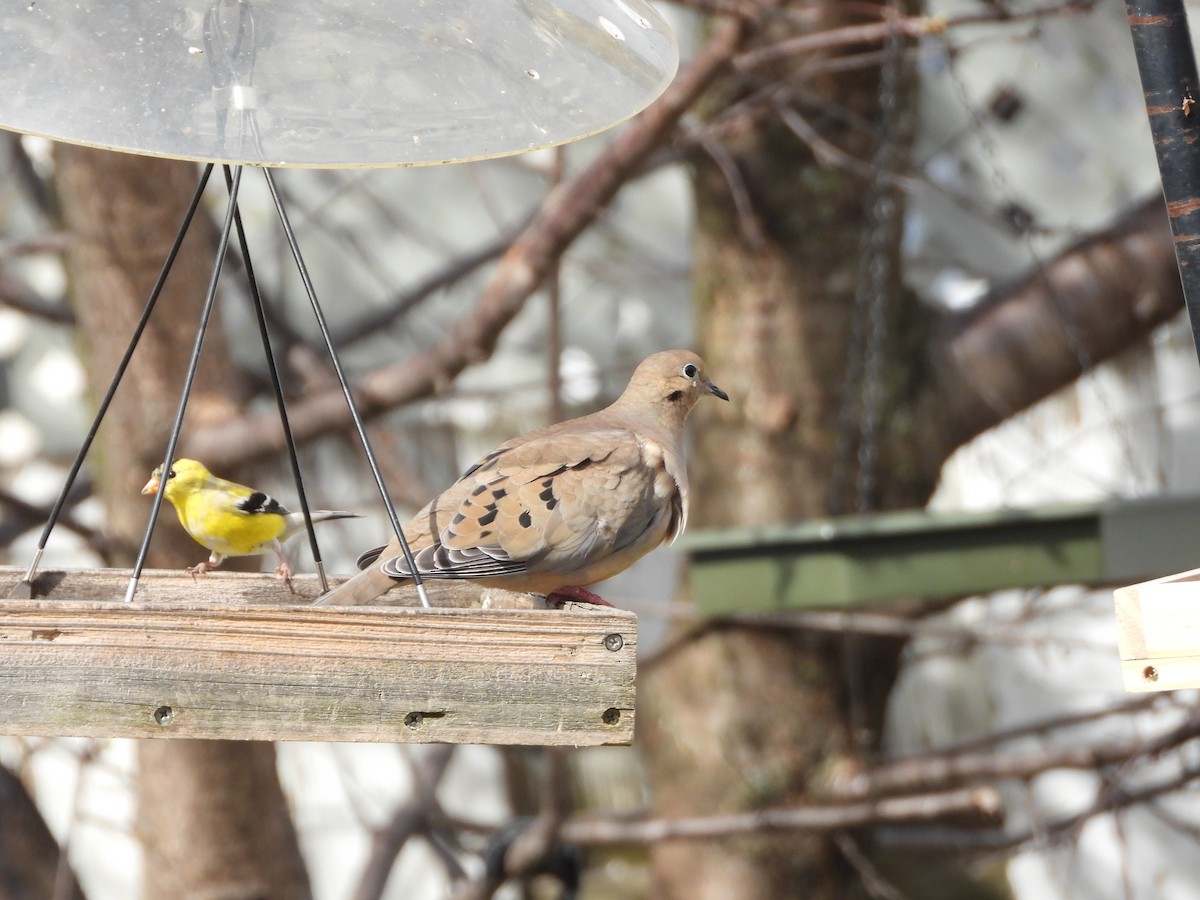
(151, 485)
(716, 391)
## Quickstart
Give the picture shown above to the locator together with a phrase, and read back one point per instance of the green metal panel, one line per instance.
(915, 554)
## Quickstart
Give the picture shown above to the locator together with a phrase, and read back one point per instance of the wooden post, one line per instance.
(235, 656)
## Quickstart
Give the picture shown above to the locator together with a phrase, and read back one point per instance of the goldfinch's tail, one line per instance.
(294, 521)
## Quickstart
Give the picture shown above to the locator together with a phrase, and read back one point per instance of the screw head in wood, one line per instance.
(163, 715)
(614, 642)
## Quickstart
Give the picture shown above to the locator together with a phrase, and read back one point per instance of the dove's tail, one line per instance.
(367, 585)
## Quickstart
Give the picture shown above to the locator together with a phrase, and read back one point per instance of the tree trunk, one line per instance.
(212, 815)
(743, 718)
(31, 865)
(214, 822)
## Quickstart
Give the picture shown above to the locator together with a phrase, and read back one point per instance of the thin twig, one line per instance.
(406, 821)
(596, 831)
(50, 242)
(1048, 833)
(748, 219)
(534, 843)
(17, 295)
(937, 770)
(405, 301)
(27, 515)
(872, 880)
(908, 26)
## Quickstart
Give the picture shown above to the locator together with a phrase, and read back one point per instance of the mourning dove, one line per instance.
(230, 519)
(561, 507)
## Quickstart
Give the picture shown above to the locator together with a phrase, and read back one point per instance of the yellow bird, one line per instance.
(230, 519)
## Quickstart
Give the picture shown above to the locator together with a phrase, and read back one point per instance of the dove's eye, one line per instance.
(690, 371)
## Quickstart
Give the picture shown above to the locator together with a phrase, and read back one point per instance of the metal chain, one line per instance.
(1008, 196)
(871, 296)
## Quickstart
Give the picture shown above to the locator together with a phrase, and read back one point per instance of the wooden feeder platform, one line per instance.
(1158, 633)
(236, 656)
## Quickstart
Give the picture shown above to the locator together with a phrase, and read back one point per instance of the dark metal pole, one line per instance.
(359, 426)
(277, 387)
(24, 587)
(193, 364)
(1163, 46)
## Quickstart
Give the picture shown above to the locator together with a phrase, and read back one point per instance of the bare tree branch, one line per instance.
(31, 864)
(909, 26)
(980, 803)
(855, 622)
(524, 846)
(27, 515)
(1028, 340)
(19, 296)
(407, 820)
(1046, 833)
(405, 301)
(534, 844)
(872, 881)
(938, 770)
(50, 242)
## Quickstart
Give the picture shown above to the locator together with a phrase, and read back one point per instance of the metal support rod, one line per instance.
(102, 409)
(1167, 65)
(273, 370)
(359, 427)
(193, 364)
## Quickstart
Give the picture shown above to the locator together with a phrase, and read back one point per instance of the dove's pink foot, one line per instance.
(200, 568)
(578, 594)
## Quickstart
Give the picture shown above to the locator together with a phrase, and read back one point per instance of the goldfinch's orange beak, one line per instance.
(151, 485)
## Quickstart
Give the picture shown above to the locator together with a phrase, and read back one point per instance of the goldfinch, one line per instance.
(230, 519)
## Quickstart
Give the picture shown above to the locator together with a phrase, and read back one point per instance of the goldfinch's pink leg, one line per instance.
(581, 595)
(201, 568)
(283, 570)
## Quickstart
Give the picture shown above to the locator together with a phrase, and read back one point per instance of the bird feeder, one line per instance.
(311, 84)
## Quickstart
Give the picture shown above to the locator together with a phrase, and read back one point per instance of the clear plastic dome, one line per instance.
(322, 83)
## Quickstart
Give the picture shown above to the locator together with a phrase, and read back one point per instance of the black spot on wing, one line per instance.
(525, 519)
(258, 502)
(489, 518)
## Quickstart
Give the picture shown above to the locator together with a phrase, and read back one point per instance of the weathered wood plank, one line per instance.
(177, 663)
(177, 586)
